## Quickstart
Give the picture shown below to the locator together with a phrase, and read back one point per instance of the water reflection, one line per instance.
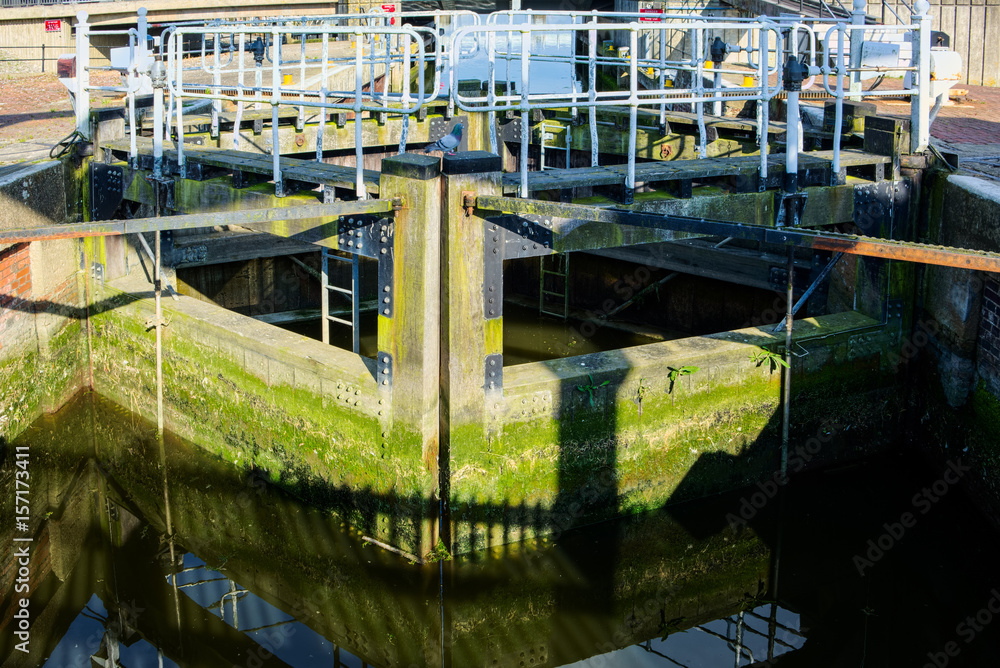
(258, 579)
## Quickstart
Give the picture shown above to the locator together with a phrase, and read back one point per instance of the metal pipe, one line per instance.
(525, 125)
(279, 188)
(786, 395)
(839, 104)
(82, 102)
(633, 85)
(158, 315)
(359, 156)
(321, 132)
(179, 102)
(239, 105)
(592, 92)
(921, 104)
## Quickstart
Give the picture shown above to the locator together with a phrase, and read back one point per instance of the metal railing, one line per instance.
(682, 58)
(40, 48)
(37, 3)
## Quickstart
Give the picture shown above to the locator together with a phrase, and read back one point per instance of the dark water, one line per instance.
(247, 576)
(527, 336)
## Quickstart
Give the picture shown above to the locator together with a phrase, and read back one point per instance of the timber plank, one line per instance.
(291, 168)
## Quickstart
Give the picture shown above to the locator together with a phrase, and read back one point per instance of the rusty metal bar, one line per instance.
(195, 220)
(907, 251)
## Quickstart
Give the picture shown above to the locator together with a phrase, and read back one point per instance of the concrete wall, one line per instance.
(959, 382)
(989, 337)
(305, 414)
(41, 312)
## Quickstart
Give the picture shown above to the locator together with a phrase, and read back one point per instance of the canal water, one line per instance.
(528, 336)
(202, 563)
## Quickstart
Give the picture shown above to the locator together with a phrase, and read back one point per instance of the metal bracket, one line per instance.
(385, 230)
(439, 127)
(494, 236)
(527, 235)
(108, 190)
(243, 179)
(97, 272)
(384, 370)
(493, 381)
(511, 132)
(789, 209)
(778, 278)
(359, 235)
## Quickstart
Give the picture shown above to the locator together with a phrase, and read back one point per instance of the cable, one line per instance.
(66, 143)
(940, 157)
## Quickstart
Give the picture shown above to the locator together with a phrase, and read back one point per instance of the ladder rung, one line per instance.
(346, 291)
(555, 294)
(340, 320)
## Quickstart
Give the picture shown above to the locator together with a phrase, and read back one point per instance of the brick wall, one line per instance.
(989, 336)
(16, 323)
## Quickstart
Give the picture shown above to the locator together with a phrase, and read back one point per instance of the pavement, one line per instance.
(35, 113)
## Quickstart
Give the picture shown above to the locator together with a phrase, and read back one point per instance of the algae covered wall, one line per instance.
(955, 344)
(587, 438)
(42, 312)
(303, 414)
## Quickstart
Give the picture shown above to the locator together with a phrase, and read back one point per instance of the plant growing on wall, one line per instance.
(591, 388)
(639, 394)
(774, 360)
(678, 372)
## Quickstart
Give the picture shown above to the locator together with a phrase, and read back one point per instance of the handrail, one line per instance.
(507, 42)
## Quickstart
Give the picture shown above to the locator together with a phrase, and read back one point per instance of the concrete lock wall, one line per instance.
(42, 312)
(564, 443)
(959, 332)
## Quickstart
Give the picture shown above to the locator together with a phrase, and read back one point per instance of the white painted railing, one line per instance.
(509, 54)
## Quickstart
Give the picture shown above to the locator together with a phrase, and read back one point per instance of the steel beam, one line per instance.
(907, 251)
(255, 217)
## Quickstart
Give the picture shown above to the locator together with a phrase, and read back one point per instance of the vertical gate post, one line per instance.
(471, 336)
(409, 310)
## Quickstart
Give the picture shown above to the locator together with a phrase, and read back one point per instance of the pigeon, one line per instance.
(448, 143)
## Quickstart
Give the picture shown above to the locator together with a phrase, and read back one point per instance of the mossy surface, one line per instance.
(595, 450)
(33, 383)
(311, 443)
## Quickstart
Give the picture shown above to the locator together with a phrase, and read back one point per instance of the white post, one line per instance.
(857, 37)
(920, 104)
(143, 30)
(82, 75)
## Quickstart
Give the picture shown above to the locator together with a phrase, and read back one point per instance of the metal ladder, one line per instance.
(546, 135)
(354, 323)
(556, 265)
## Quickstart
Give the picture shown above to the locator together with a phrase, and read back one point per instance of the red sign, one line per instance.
(53, 25)
(650, 10)
(388, 8)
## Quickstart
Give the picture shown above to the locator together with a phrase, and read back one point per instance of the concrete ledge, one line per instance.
(33, 196)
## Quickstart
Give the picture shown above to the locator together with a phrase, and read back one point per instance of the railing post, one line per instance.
(82, 75)
(142, 28)
(920, 104)
(857, 37)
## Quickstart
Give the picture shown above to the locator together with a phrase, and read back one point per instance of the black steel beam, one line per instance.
(908, 251)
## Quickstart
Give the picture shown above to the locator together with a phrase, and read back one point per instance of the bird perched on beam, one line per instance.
(448, 143)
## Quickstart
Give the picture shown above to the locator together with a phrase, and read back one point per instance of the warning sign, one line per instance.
(650, 10)
(53, 25)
